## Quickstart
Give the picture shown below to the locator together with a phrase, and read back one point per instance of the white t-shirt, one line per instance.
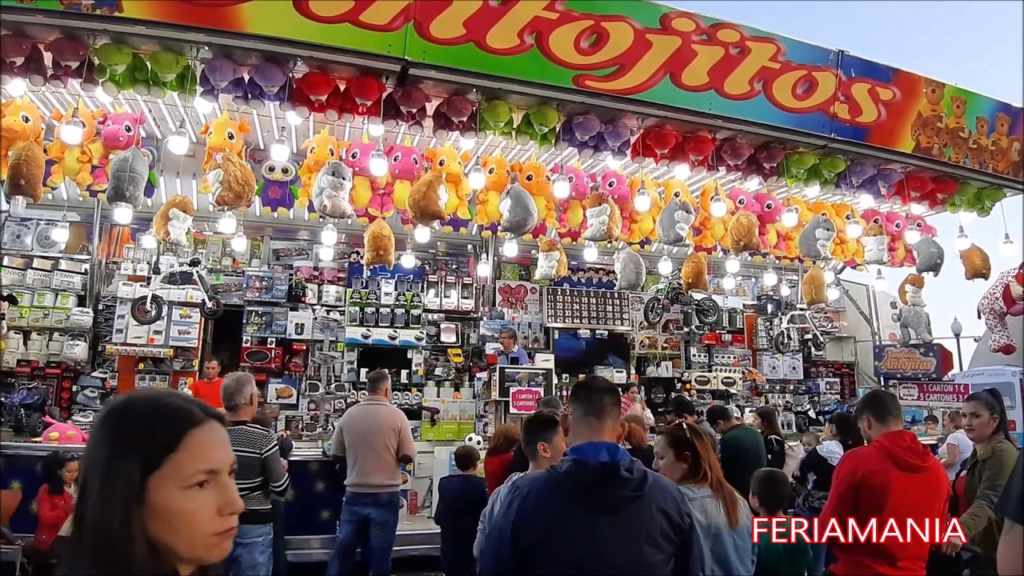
(963, 443)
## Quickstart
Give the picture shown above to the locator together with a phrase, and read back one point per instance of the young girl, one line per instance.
(721, 515)
(55, 504)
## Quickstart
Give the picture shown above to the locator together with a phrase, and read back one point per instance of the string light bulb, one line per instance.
(912, 236)
(833, 293)
(790, 217)
(329, 235)
(466, 143)
(203, 106)
(665, 265)
(963, 241)
(732, 264)
(61, 232)
(615, 163)
(879, 283)
(1007, 247)
(729, 282)
(854, 230)
(867, 200)
(682, 171)
(483, 267)
(421, 234)
(72, 130)
(510, 249)
(830, 276)
(239, 242)
(917, 209)
(752, 183)
(770, 278)
(812, 191)
(590, 252)
(102, 96)
(228, 223)
(561, 187)
(147, 240)
(408, 259)
(16, 87)
(292, 118)
(718, 207)
(477, 178)
(378, 163)
(123, 213)
(177, 141)
(280, 151)
(375, 129)
(326, 253)
(785, 290)
(642, 201)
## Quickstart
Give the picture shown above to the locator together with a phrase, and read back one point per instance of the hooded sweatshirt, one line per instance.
(571, 518)
(895, 476)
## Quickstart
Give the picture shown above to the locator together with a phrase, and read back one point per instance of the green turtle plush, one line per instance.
(539, 125)
(113, 63)
(496, 118)
(168, 72)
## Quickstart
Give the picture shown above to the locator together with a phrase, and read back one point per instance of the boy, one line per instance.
(769, 496)
(462, 498)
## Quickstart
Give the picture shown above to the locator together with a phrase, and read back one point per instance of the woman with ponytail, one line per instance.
(684, 454)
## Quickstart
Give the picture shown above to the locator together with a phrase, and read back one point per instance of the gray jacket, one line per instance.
(489, 513)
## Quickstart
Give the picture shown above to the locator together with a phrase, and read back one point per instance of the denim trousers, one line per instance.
(818, 551)
(253, 554)
(370, 519)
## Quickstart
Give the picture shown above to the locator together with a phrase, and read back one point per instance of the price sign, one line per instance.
(524, 400)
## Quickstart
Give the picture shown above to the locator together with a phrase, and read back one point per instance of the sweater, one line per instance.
(496, 470)
(371, 436)
(461, 500)
(260, 472)
(742, 454)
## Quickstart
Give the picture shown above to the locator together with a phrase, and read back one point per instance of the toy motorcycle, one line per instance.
(24, 409)
(789, 332)
(669, 294)
(149, 309)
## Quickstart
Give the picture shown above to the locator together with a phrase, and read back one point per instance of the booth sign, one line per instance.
(524, 400)
(952, 393)
(915, 362)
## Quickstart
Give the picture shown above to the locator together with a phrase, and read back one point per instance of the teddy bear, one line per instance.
(979, 139)
(427, 199)
(539, 125)
(655, 143)
(454, 114)
(976, 263)
(221, 76)
(406, 105)
(959, 110)
(604, 220)
(496, 118)
(361, 98)
(744, 225)
(67, 60)
(552, 263)
(173, 221)
(695, 272)
(311, 92)
(25, 169)
(1004, 298)
(582, 133)
(233, 183)
(814, 287)
(1002, 133)
(379, 244)
(934, 94)
(912, 316)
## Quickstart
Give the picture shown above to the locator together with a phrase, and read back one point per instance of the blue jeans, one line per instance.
(253, 554)
(370, 519)
(817, 550)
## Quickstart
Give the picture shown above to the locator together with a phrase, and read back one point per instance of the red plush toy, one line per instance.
(406, 105)
(362, 98)
(656, 144)
(698, 148)
(913, 185)
(311, 92)
(454, 114)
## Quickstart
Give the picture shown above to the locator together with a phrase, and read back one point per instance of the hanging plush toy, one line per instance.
(710, 230)
(118, 131)
(223, 136)
(534, 177)
(362, 98)
(977, 264)
(267, 84)
(407, 106)
(630, 270)
(320, 150)
(115, 68)
(129, 172)
(278, 189)
(604, 221)
(427, 199)
(173, 221)
(497, 177)
(21, 122)
(571, 214)
(74, 162)
(331, 190)
(930, 256)
(813, 287)
(450, 164)
(744, 225)
(641, 225)
(614, 185)
(583, 133)
(816, 238)
(405, 166)
(875, 244)
(551, 261)
(232, 183)
(912, 315)
(769, 220)
(454, 114)
(895, 225)
(496, 118)
(311, 92)
(221, 76)
(539, 125)
(675, 219)
(518, 211)
(847, 217)
(367, 189)
(379, 244)
(695, 273)
(25, 171)
(1004, 298)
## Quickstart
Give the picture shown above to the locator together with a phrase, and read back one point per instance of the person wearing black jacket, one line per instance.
(461, 499)
(520, 463)
(766, 421)
(741, 448)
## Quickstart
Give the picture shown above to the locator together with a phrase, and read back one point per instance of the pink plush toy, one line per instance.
(61, 433)
(1004, 298)
(366, 189)
(119, 132)
(571, 213)
(895, 224)
(613, 184)
(769, 220)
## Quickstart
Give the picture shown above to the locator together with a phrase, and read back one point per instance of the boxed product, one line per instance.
(186, 335)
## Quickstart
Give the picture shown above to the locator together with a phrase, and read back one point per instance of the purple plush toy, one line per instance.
(14, 50)
(580, 132)
(855, 175)
(614, 139)
(221, 76)
(266, 83)
(882, 182)
(67, 60)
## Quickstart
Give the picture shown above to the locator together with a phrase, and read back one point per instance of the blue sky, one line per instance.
(977, 45)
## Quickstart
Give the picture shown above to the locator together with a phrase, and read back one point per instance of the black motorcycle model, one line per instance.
(668, 294)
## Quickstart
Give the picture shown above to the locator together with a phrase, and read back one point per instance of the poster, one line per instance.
(912, 362)
(948, 393)
(524, 400)
(517, 296)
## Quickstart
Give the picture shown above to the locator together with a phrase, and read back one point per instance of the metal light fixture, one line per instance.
(17, 205)
(421, 234)
(682, 171)
(483, 267)
(917, 209)
(329, 235)
(912, 236)
(785, 290)
(790, 218)
(615, 163)
(866, 200)
(16, 87)
(477, 178)
(102, 96)
(1007, 247)
(812, 191)
(732, 264)
(510, 249)
(228, 223)
(408, 259)
(665, 266)
(292, 118)
(752, 183)
(963, 241)
(830, 276)
(123, 213)
(239, 243)
(375, 130)
(642, 201)
(590, 252)
(203, 106)
(770, 278)
(466, 143)
(833, 293)
(718, 207)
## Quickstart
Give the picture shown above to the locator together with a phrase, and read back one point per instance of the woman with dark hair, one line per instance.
(842, 434)
(498, 459)
(982, 476)
(721, 515)
(158, 493)
(636, 442)
(55, 505)
(766, 420)
(957, 447)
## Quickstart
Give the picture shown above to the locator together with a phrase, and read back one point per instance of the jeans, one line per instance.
(253, 554)
(280, 546)
(370, 519)
(817, 550)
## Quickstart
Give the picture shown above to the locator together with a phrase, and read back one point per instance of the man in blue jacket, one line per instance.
(571, 518)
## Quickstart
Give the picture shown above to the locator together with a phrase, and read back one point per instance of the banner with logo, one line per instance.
(641, 50)
(948, 393)
(914, 362)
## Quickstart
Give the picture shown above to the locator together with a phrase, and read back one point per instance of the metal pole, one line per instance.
(959, 354)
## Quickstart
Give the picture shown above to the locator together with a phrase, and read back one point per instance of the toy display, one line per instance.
(518, 211)
(977, 264)
(21, 122)
(630, 270)
(379, 244)
(551, 261)
(815, 240)
(232, 183)
(911, 316)
(694, 273)
(604, 220)
(173, 221)
(331, 191)
(1004, 298)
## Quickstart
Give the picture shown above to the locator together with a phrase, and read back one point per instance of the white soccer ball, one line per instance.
(475, 441)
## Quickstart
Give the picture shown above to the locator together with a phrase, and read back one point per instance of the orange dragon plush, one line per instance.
(223, 136)
(320, 149)
(712, 230)
(847, 214)
(535, 179)
(21, 122)
(641, 224)
(450, 165)
(498, 174)
(74, 162)
(790, 235)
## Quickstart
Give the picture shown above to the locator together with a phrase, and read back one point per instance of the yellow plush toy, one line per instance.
(976, 263)
(642, 224)
(535, 179)
(695, 272)
(450, 165)
(319, 150)
(814, 287)
(498, 174)
(712, 230)
(379, 244)
(223, 136)
(74, 162)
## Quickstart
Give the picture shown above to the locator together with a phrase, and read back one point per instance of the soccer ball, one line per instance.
(475, 441)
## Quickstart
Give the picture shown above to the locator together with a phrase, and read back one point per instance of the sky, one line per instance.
(908, 35)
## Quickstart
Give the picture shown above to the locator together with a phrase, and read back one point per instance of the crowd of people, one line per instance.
(197, 493)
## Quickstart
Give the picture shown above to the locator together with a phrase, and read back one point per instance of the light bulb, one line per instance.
(917, 209)
(280, 151)
(378, 164)
(483, 267)
(561, 187)
(147, 240)
(421, 234)
(682, 171)
(590, 252)
(467, 143)
(812, 191)
(477, 179)
(830, 276)
(228, 223)
(16, 87)
(867, 200)
(790, 218)
(833, 293)
(642, 201)
(785, 290)
(123, 213)
(729, 282)
(102, 96)
(718, 207)
(239, 243)
(912, 236)
(375, 130)
(879, 283)
(732, 265)
(18, 205)
(292, 118)
(1008, 248)
(770, 278)
(61, 232)
(408, 259)
(664, 266)
(752, 183)
(510, 249)
(177, 142)
(72, 130)
(854, 230)
(329, 235)
(203, 106)
(615, 163)
(326, 253)
(963, 241)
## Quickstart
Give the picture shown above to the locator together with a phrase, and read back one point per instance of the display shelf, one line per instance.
(23, 254)
(140, 351)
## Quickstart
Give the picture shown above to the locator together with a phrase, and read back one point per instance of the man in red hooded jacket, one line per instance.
(894, 476)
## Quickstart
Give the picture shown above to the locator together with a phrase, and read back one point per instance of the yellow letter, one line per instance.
(506, 34)
(785, 89)
(565, 42)
(451, 23)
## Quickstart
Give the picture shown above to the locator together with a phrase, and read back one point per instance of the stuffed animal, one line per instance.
(769, 220)
(895, 225)
(331, 190)
(367, 189)
(912, 316)
(655, 143)
(221, 76)
(695, 273)
(696, 149)
(232, 183)
(497, 177)
(614, 185)
(405, 166)
(118, 131)
(614, 139)
(709, 230)
(6, 302)
(361, 98)
(278, 189)
(630, 270)
(734, 153)
(406, 105)
(169, 72)
(813, 287)
(582, 133)
(518, 211)
(15, 53)
(173, 221)
(604, 221)
(62, 433)
(21, 122)
(74, 162)
(454, 114)
(551, 261)
(675, 220)
(930, 256)
(534, 177)
(570, 210)
(496, 118)
(115, 68)
(539, 125)
(379, 244)
(267, 84)
(451, 166)
(875, 244)
(641, 227)
(67, 60)
(311, 92)
(976, 263)
(320, 150)
(815, 240)
(744, 224)
(427, 199)
(25, 172)
(1004, 298)
(223, 136)
(844, 248)
(129, 172)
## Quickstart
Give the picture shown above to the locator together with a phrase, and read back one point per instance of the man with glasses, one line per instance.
(511, 353)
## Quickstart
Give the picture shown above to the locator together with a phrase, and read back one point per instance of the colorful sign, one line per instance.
(951, 393)
(524, 400)
(914, 362)
(638, 50)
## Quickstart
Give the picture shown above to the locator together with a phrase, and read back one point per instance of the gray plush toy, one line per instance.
(674, 222)
(930, 256)
(815, 242)
(912, 315)
(518, 211)
(630, 270)
(331, 190)
(129, 172)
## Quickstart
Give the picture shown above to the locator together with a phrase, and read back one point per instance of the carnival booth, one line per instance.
(311, 191)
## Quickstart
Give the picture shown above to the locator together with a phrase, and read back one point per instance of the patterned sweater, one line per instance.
(260, 472)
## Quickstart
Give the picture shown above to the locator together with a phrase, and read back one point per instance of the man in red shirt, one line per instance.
(208, 388)
(894, 476)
